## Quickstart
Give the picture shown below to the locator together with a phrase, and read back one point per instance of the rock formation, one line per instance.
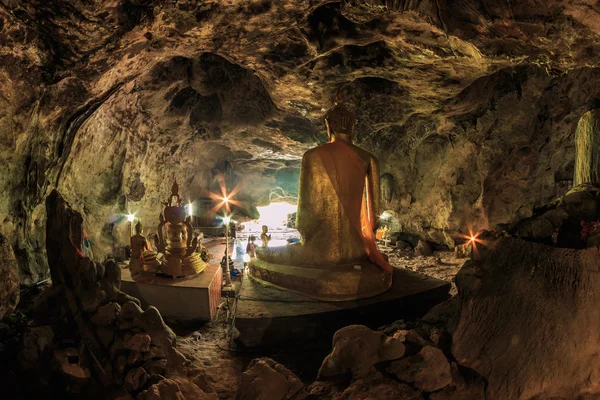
(587, 142)
(528, 320)
(92, 339)
(9, 278)
(470, 104)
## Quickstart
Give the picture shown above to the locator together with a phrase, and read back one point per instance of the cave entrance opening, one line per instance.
(280, 218)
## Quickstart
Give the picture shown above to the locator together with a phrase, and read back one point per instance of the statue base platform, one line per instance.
(181, 267)
(190, 298)
(274, 318)
(358, 280)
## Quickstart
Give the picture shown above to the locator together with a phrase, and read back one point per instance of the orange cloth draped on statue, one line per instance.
(353, 166)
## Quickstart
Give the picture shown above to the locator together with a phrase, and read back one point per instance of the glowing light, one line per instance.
(130, 217)
(226, 220)
(190, 209)
(275, 214)
(224, 198)
(246, 258)
(473, 239)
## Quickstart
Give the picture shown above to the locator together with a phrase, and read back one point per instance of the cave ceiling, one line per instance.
(470, 105)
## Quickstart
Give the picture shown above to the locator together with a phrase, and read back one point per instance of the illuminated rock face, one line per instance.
(469, 105)
(528, 320)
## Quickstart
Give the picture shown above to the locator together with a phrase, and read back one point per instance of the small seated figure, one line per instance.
(337, 258)
(251, 247)
(264, 237)
(143, 258)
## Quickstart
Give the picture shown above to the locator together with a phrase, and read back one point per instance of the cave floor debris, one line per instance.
(210, 347)
(442, 265)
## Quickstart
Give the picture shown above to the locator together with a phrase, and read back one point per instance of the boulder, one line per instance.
(107, 314)
(529, 319)
(191, 391)
(165, 389)
(376, 387)
(423, 248)
(69, 364)
(265, 379)
(429, 370)
(9, 278)
(356, 349)
(138, 342)
(135, 379)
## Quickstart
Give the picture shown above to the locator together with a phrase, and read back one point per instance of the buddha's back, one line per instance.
(332, 187)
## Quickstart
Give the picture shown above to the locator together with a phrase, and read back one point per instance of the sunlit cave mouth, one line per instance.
(280, 218)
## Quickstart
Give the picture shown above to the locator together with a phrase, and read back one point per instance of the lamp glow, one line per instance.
(130, 217)
(473, 238)
(226, 220)
(190, 209)
(246, 258)
(225, 199)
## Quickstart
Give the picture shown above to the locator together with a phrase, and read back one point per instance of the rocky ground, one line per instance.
(442, 265)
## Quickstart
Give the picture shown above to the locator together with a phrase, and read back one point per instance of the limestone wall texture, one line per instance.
(471, 105)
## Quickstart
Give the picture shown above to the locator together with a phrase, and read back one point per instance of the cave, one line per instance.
(299, 199)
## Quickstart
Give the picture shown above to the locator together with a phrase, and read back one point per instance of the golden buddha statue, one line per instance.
(181, 259)
(338, 203)
(264, 237)
(143, 258)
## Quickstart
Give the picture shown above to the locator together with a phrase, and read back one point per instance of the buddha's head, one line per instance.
(340, 121)
(139, 228)
(265, 228)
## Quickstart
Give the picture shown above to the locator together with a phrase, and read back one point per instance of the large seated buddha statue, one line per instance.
(337, 258)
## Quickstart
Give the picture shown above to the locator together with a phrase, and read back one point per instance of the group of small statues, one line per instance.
(182, 249)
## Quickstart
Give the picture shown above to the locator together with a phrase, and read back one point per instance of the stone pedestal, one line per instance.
(271, 317)
(190, 298)
(354, 281)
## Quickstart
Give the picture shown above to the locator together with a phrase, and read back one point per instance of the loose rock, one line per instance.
(428, 371)
(356, 349)
(266, 379)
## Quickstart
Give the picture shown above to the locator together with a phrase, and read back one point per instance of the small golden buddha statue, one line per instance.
(338, 205)
(181, 259)
(264, 237)
(143, 258)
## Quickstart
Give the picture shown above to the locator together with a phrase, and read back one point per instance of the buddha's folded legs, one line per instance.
(293, 254)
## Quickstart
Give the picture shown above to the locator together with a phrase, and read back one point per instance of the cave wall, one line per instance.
(470, 105)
